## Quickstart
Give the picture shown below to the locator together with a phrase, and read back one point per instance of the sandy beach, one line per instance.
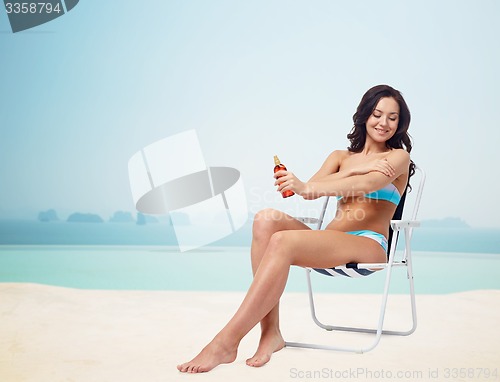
(57, 334)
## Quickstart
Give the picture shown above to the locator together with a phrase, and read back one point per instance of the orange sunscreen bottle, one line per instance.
(280, 166)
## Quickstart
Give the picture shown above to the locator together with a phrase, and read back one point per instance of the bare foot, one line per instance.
(212, 355)
(269, 344)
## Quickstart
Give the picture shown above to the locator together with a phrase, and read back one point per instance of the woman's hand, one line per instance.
(380, 165)
(286, 180)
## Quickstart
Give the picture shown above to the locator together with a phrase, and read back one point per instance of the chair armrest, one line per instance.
(398, 225)
(308, 220)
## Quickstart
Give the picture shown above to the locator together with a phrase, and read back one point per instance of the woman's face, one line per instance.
(383, 122)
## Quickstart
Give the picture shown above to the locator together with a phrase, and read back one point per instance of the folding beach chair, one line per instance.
(364, 269)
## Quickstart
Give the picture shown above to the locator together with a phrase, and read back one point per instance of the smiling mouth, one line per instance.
(381, 131)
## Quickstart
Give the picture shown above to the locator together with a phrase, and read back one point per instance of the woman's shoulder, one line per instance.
(400, 158)
(402, 154)
(333, 162)
(336, 157)
(339, 154)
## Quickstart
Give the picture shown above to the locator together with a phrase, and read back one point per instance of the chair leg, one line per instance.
(412, 293)
(378, 332)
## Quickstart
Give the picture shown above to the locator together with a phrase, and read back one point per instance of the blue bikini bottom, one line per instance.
(351, 269)
(379, 238)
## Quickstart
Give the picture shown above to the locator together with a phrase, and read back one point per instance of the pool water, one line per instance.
(223, 269)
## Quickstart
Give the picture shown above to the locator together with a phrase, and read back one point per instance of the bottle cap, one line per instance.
(276, 160)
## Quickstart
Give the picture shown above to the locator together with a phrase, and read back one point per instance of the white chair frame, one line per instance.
(407, 227)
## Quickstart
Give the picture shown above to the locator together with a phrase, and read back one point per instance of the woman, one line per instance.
(368, 180)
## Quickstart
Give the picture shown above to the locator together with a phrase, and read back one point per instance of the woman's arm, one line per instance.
(331, 168)
(352, 185)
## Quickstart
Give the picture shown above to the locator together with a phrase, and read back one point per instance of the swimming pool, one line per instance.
(222, 269)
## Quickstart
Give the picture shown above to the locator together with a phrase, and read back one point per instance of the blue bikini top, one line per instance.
(389, 193)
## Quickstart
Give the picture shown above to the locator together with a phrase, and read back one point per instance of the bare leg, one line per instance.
(266, 223)
(318, 249)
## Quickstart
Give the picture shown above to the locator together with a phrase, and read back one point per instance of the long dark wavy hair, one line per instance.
(400, 140)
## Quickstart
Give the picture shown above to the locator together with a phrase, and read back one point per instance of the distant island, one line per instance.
(145, 219)
(78, 217)
(122, 217)
(48, 216)
(117, 217)
(449, 222)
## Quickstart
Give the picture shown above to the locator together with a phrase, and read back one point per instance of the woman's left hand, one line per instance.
(286, 180)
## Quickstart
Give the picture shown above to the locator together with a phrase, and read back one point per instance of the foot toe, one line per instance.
(257, 361)
(181, 368)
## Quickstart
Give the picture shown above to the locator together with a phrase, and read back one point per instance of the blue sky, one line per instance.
(81, 94)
